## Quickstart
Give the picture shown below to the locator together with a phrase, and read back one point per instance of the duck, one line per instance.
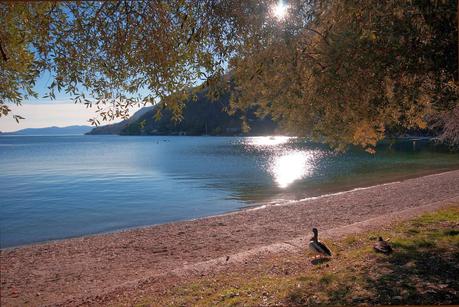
(382, 246)
(318, 247)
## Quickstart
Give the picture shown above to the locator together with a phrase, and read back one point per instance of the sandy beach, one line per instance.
(102, 269)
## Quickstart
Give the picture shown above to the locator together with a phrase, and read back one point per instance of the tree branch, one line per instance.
(324, 37)
(5, 58)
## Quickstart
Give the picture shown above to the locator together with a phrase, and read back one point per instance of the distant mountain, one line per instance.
(70, 130)
(200, 117)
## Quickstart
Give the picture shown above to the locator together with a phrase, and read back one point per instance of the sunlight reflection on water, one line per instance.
(56, 187)
(267, 140)
(290, 167)
(284, 164)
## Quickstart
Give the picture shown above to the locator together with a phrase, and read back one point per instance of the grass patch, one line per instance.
(423, 269)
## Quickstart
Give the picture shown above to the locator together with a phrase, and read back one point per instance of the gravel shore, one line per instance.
(96, 269)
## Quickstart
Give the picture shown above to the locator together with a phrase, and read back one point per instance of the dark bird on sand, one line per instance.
(318, 247)
(382, 246)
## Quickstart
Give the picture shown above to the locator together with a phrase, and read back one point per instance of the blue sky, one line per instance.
(60, 113)
(43, 112)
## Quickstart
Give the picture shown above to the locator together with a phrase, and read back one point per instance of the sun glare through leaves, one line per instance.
(280, 10)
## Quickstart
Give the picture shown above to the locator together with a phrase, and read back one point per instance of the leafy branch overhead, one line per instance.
(342, 72)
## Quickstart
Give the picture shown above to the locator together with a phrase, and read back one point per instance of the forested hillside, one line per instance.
(200, 117)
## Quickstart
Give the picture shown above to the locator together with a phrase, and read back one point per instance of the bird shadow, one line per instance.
(318, 261)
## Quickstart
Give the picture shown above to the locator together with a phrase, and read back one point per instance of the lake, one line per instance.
(55, 187)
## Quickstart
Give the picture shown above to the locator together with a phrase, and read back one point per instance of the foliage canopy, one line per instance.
(342, 72)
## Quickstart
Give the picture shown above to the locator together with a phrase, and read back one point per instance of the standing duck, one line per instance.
(382, 246)
(318, 247)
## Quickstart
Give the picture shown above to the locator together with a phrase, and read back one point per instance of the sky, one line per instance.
(41, 113)
(56, 113)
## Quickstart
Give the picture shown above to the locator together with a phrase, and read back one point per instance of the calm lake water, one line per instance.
(64, 186)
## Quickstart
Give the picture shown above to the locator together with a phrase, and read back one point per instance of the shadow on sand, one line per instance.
(318, 261)
(417, 273)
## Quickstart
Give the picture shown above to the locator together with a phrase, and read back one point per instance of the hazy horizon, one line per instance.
(59, 113)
